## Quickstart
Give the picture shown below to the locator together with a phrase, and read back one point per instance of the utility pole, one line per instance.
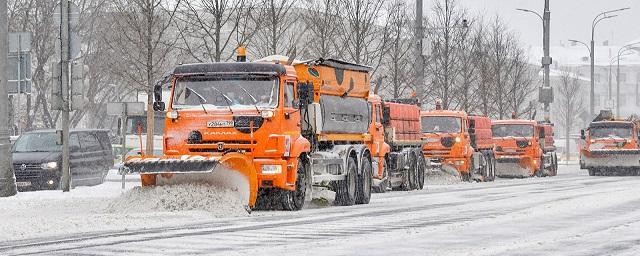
(64, 83)
(420, 61)
(546, 60)
(7, 177)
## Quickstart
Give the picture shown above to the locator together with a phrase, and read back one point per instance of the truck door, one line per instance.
(377, 133)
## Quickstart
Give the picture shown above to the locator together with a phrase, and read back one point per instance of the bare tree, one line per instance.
(398, 61)
(141, 35)
(209, 29)
(363, 38)
(322, 22)
(569, 104)
(447, 35)
(275, 33)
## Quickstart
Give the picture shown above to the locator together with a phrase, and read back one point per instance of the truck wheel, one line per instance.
(294, 200)
(555, 164)
(413, 171)
(540, 171)
(346, 189)
(422, 165)
(592, 172)
(363, 192)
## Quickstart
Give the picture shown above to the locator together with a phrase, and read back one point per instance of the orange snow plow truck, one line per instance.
(523, 150)
(282, 128)
(396, 147)
(459, 143)
(611, 146)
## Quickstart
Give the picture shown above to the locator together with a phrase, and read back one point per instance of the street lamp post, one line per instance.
(621, 52)
(546, 59)
(601, 16)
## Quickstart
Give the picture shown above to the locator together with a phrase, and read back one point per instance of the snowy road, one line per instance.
(571, 214)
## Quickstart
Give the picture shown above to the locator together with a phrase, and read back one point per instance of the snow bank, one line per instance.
(183, 197)
(438, 177)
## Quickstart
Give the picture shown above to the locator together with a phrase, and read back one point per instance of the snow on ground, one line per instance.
(108, 207)
(571, 214)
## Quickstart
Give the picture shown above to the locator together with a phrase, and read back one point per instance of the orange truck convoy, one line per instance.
(524, 148)
(611, 145)
(274, 130)
(397, 144)
(459, 143)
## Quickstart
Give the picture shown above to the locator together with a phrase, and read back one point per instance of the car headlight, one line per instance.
(50, 166)
(271, 169)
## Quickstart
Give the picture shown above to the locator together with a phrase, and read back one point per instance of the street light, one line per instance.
(621, 51)
(601, 16)
(546, 93)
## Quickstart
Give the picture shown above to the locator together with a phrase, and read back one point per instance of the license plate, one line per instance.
(23, 183)
(219, 124)
(430, 140)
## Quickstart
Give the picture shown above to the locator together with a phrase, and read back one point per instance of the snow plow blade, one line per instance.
(234, 171)
(154, 165)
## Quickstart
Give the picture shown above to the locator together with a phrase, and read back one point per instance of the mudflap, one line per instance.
(512, 170)
(233, 170)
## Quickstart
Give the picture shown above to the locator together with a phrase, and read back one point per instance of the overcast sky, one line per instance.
(569, 19)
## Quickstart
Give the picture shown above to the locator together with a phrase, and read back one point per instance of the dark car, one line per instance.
(37, 158)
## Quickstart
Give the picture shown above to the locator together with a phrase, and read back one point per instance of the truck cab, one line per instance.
(610, 146)
(519, 148)
(458, 143)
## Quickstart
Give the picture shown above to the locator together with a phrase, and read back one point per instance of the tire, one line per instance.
(491, 164)
(294, 200)
(540, 172)
(346, 189)
(411, 180)
(364, 181)
(422, 165)
(592, 172)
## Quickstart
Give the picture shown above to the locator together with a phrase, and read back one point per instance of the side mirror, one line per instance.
(158, 106)
(542, 135)
(295, 104)
(472, 130)
(386, 115)
(582, 135)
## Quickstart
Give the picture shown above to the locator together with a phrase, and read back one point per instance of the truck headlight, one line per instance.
(459, 162)
(458, 139)
(49, 166)
(271, 169)
(266, 114)
(172, 114)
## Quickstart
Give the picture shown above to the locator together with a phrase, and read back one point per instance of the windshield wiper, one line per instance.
(201, 99)
(255, 101)
(226, 98)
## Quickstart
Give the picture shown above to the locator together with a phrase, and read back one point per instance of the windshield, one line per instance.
(512, 130)
(443, 124)
(226, 91)
(610, 132)
(37, 142)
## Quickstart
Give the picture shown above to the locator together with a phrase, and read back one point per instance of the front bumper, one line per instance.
(37, 179)
(515, 167)
(613, 158)
(457, 164)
